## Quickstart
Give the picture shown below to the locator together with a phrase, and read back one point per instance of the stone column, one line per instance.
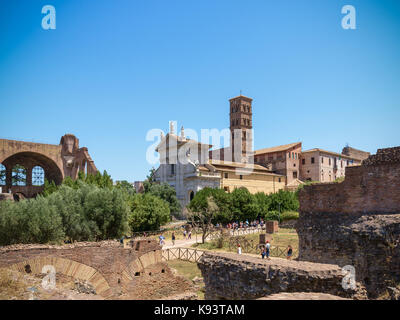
(29, 175)
(8, 178)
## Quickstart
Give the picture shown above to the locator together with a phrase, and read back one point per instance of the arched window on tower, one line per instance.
(2, 175)
(38, 176)
(18, 175)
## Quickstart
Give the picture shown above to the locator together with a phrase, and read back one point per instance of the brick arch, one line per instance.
(69, 268)
(29, 160)
(140, 264)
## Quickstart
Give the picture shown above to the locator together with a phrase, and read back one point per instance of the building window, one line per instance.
(191, 195)
(279, 180)
(18, 175)
(329, 161)
(289, 155)
(312, 160)
(294, 174)
(226, 175)
(241, 177)
(322, 159)
(303, 161)
(37, 176)
(226, 189)
(172, 168)
(2, 175)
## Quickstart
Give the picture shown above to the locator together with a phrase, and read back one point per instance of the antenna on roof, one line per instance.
(240, 92)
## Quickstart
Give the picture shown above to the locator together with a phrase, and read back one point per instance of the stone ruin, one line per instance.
(106, 269)
(352, 223)
(356, 222)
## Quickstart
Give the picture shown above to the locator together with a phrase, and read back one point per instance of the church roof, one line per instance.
(277, 148)
(228, 165)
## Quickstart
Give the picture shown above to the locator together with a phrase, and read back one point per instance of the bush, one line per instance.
(289, 215)
(86, 213)
(29, 221)
(272, 215)
(148, 213)
(166, 192)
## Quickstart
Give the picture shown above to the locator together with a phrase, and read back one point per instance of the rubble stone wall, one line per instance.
(356, 222)
(239, 277)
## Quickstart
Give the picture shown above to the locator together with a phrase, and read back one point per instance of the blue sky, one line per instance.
(112, 70)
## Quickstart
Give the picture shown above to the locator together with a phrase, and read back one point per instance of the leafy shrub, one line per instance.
(289, 215)
(148, 213)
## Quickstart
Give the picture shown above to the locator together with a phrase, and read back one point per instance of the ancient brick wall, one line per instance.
(111, 269)
(356, 222)
(239, 277)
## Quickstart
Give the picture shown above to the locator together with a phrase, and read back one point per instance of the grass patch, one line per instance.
(188, 270)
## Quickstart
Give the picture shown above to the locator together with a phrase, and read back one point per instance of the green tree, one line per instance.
(150, 180)
(148, 213)
(126, 186)
(166, 192)
(244, 205)
(263, 202)
(222, 199)
(204, 216)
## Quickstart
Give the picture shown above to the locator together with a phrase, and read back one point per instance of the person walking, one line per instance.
(239, 250)
(289, 252)
(263, 252)
(267, 250)
(173, 238)
(190, 234)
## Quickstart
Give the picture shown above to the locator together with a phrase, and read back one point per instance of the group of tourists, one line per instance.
(266, 251)
(244, 224)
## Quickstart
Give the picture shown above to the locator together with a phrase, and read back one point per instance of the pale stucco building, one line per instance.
(324, 166)
(185, 165)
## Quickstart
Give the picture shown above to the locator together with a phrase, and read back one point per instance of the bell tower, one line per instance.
(241, 125)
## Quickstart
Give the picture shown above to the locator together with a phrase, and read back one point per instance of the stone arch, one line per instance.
(29, 160)
(137, 266)
(66, 267)
(32, 159)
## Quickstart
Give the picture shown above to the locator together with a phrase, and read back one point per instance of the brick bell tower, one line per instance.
(241, 125)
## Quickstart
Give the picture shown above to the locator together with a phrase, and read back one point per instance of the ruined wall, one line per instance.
(110, 268)
(356, 222)
(233, 276)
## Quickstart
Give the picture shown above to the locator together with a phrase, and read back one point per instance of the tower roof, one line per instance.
(241, 97)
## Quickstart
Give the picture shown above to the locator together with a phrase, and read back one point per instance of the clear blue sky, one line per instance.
(112, 70)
